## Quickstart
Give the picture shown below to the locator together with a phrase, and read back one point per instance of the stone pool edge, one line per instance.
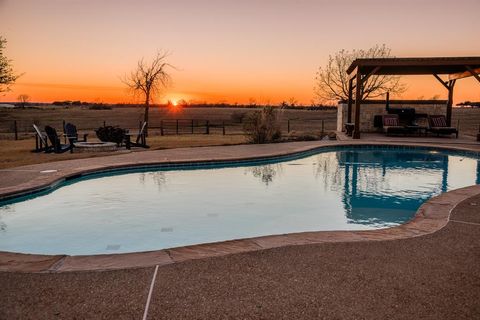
(432, 216)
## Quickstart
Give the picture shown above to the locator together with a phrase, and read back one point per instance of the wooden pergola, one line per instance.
(454, 68)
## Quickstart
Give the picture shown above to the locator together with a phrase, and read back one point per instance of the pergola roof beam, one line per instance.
(374, 71)
(474, 73)
(444, 83)
(464, 74)
(416, 66)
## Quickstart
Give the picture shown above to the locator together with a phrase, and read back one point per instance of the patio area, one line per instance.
(432, 276)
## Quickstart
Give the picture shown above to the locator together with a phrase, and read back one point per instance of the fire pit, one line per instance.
(95, 146)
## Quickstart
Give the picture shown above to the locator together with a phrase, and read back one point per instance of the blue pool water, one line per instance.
(336, 189)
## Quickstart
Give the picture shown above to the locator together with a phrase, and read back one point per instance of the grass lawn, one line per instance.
(19, 153)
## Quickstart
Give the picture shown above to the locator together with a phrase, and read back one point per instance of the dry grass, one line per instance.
(18, 153)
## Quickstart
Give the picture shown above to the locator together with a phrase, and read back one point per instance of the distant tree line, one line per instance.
(470, 104)
(185, 104)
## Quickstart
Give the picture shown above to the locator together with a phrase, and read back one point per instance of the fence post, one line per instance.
(288, 125)
(207, 127)
(223, 123)
(177, 127)
(323, 126)
(161, 127)
(64, 135)
(104, 124)
(15, 129)
(139, 125)
(192, 126)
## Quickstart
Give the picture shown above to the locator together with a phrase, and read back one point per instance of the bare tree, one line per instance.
(149, 78)
(7, 76)
(23, 99)
(331, 82)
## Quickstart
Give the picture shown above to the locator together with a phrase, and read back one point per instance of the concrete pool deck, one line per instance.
(318, 258)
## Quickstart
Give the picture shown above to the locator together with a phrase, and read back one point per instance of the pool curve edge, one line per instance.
(432, 216)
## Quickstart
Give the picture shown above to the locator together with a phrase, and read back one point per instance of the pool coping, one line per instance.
(432, 216)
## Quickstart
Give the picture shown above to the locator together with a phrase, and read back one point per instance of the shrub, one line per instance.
(111, 134)
(262, 126)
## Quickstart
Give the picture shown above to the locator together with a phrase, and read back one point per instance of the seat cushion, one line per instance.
(390, 122)
(439, 122)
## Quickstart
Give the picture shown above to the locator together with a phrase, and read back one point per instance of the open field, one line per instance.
(129, 117)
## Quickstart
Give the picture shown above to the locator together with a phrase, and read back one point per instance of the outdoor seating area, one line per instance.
(435, 124)
(454, 68)
(50, 140)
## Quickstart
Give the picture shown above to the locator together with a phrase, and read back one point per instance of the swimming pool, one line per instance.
(341, 188)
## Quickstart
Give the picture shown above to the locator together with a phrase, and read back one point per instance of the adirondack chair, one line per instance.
(438, 125)
(72, 134)
(41, 141)
(57, 146)
(140, 141)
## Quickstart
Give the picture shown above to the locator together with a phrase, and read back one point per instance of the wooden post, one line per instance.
(451, 85)
(177, 128)
(288, 126)
(358, 100)
(15, 129)
(104, 124)
(64, 135)
(323, 126)
(387, 101)
(192, 126)
(161, 127)
(349, 108)
(207, 127)
(223, 124)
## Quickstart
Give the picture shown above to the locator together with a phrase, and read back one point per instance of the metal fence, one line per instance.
(20, 129)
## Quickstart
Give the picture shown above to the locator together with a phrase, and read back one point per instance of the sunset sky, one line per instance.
(231, 51)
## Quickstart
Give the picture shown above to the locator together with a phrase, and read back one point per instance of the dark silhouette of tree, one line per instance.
(149, 78)
(331, 82)
(7, 76)
(23, 99)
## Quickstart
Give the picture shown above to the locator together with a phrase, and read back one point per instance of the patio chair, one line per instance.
(140, 141)
(72, 134)
(438, 125)
(41, 141)
(57, 146)
(391, 125)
